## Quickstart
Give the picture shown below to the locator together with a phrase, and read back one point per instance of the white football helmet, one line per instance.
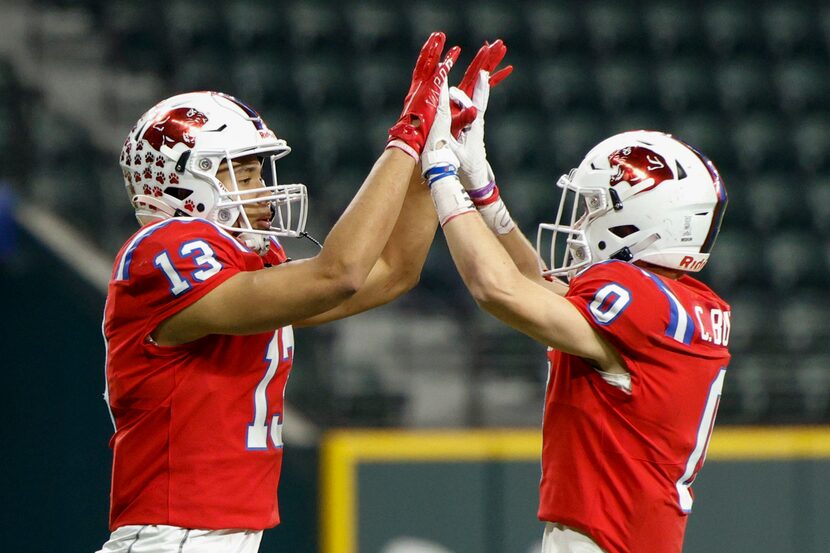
(171, 157)
(637, 196)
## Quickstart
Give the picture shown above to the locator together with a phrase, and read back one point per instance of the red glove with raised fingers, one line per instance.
(472, 96)
(421, 103)
(486, 59)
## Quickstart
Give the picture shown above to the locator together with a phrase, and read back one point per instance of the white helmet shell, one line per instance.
(171, 157)
(637, 196)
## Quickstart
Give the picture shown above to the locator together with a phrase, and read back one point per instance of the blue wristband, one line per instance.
(438, 172)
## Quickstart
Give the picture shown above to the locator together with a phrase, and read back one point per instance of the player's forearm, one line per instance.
(360, 235)
(408, 246)
(527, 260)
(380, 288)
(521, 252)
(485, 267)
(399, 267)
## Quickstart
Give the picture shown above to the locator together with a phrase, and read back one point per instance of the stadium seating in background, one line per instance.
(730, 27)
(801, 86)
(790, 30)
(256, 27)
(745, 82)
(564, 82)
(552, 30)
(811, 143)
(683, 85)
(673, 29)
(136, 35)
(614, 28)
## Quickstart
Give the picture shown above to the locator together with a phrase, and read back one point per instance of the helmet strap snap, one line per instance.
(180, 165)
(615, 199)
(623, 254)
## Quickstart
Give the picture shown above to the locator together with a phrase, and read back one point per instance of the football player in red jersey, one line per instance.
(637, 347)
(200, 308)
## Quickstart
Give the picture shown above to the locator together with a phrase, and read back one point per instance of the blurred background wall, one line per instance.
(745, 82)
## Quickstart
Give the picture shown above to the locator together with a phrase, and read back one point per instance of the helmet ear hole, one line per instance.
(623, 230)
(178, 193)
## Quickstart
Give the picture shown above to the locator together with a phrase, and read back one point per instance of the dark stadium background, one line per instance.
(745, 82)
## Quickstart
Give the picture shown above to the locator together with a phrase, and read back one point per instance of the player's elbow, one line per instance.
(491, 290)
(341, 282)
(346, 284)
(402, 281)
(409, 282)
(345, 273)
(396, 284)
(492, 301)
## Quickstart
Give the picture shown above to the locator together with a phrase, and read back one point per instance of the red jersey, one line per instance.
(198, 427)
(618, 465)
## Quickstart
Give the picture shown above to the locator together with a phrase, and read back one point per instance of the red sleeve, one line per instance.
(625, 305)
(171, 265)
(275, 254)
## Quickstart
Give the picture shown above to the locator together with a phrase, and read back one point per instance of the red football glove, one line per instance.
(487, 58)
(421, 103)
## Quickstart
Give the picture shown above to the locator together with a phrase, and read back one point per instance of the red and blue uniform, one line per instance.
(617, 464)
(197, 440)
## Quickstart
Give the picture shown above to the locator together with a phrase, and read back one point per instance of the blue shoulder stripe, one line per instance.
(681, 325)
(123, 272)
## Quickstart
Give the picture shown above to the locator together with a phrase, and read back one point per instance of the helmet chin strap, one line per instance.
(627, 253)
(257, 242)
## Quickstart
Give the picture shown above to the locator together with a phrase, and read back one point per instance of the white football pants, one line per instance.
(561, 539)
(157, 538)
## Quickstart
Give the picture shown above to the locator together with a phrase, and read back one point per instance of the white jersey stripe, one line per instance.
(106, 359)
(682, 317)
(704, 433)
(681, 327)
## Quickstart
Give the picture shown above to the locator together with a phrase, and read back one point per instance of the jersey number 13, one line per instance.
(280, 350)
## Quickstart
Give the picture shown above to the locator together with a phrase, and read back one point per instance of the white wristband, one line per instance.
(497, 217)
(403, 146)
(450, 199)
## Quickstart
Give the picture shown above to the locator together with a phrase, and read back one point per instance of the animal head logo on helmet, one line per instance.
(177, 126)
(638, 164)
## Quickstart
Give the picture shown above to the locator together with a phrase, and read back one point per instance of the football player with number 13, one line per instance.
(200, 309)
(637, 348)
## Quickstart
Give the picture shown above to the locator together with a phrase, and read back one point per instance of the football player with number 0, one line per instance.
(637, 347)
(200, 309)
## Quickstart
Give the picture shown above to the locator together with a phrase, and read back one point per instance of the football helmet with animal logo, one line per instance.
(636, 196)
(171, 158)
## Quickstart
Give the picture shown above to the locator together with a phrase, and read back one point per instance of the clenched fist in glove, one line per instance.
(419, 108)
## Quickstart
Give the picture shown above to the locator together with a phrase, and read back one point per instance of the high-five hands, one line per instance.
(456, 144)
(412, 128)
(488, 57)
(439, 165)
